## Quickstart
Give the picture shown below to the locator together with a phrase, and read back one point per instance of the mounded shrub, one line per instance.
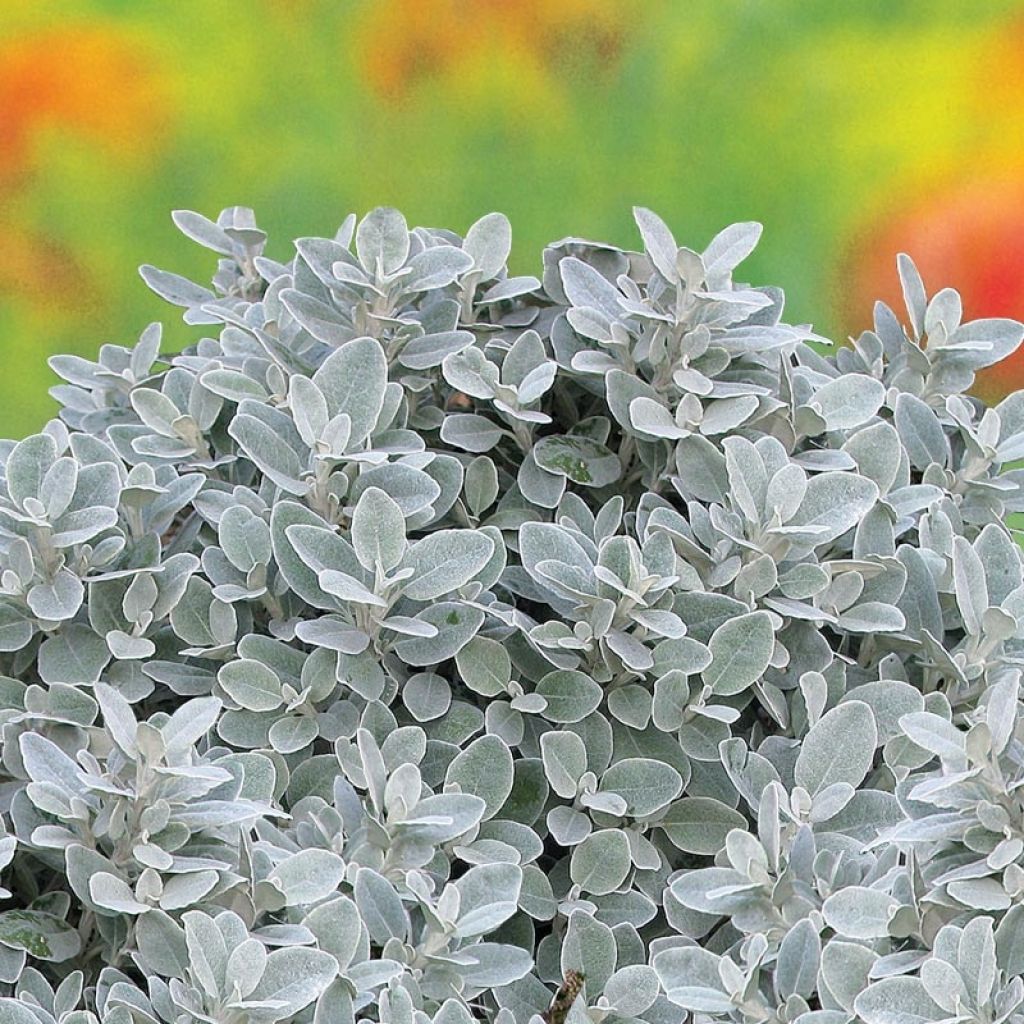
(430, 644)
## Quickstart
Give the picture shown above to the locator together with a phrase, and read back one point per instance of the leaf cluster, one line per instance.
(427, 644)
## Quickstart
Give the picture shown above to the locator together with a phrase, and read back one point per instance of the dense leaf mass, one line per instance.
(429, 645)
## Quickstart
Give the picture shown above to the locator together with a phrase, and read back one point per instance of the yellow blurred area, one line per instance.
(850, 130)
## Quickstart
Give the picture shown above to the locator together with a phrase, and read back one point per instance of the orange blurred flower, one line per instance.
(44, 273)
(403, 43)
(93, 81)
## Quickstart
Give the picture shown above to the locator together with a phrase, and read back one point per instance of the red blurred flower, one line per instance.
(970, 238)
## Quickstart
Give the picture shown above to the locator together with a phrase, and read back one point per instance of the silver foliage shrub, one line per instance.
(427, 645)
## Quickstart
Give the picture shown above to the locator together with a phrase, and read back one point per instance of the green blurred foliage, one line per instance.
(818, 119)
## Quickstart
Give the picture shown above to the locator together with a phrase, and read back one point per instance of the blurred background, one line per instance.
(850, 130)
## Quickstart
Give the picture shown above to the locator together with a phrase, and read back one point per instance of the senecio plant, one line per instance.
(429, 645)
